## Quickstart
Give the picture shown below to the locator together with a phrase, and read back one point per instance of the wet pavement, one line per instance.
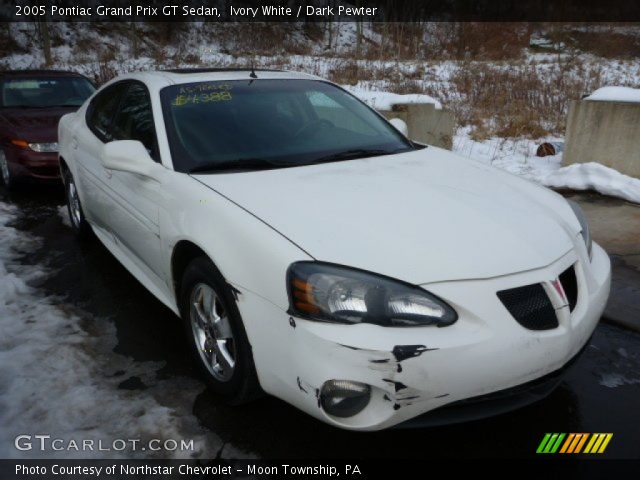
(615, 224)
(600, 393)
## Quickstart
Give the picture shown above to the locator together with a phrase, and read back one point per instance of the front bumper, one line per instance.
(413, 371)
(495, 403)
(27, 164)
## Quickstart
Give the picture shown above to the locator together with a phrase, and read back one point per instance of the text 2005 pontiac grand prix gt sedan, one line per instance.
(316, 254)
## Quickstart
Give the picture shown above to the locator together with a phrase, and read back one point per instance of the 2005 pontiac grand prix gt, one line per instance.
(314, 253)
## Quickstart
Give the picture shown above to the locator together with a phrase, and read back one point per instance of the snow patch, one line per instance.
(613, 380)
(63, 213)
(615, 94)
(58, 373)
(518, 156)
(594, 176)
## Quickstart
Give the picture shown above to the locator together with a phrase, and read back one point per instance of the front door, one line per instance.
(133, 200)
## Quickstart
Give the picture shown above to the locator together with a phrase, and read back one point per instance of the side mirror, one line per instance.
(128, 156)
(400, 125)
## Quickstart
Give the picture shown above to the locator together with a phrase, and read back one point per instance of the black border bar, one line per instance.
(323, 10)
(541, 467)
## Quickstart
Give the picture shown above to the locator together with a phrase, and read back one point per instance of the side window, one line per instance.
(134, 119)
(101, 110)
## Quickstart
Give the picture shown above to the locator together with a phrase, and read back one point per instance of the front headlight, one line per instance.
(51, 147)
(584, 224)
(331, 293)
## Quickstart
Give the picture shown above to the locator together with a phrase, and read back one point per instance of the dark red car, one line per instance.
(31, 103)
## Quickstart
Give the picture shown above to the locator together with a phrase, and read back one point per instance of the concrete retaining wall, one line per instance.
(604, 132)
(425, 123)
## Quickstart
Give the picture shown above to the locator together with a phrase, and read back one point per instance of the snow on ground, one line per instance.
(518, 156)
(594, 176)
(63, 213)
(613, 380)
(386, 100)
(615, 94)
(58, 373)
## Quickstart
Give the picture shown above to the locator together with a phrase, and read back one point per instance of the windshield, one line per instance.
(38, 92)
(249, 125)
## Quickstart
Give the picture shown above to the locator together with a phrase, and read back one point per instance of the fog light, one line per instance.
(344, 398)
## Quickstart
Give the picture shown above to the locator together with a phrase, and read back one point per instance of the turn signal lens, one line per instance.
(20, 143)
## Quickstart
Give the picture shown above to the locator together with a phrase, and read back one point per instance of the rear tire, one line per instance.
(79, 224)
(216, 334)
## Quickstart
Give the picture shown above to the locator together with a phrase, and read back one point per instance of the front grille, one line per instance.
(530, 306)
(570, 285)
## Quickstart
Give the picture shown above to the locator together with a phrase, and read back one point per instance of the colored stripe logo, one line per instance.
(574, 443)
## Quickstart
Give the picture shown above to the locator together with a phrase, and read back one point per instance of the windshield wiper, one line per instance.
(264, 164)
(239, 164)
(352, 154)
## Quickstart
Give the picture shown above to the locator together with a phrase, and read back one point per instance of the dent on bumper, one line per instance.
(412, 371)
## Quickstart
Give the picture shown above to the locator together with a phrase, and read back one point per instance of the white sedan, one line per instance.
(313, 252)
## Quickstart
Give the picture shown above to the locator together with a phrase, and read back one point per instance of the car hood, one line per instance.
(423, 216)
(34, 124)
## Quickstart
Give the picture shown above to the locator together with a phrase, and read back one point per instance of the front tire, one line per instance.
(79, 224)
(216, 333)
(5, 172)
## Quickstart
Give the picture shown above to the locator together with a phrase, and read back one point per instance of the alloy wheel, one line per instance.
(74, 203)
(212, 332)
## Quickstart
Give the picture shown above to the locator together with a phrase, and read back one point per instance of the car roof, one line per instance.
(219, 69)
(40, 73)
(157, 79)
